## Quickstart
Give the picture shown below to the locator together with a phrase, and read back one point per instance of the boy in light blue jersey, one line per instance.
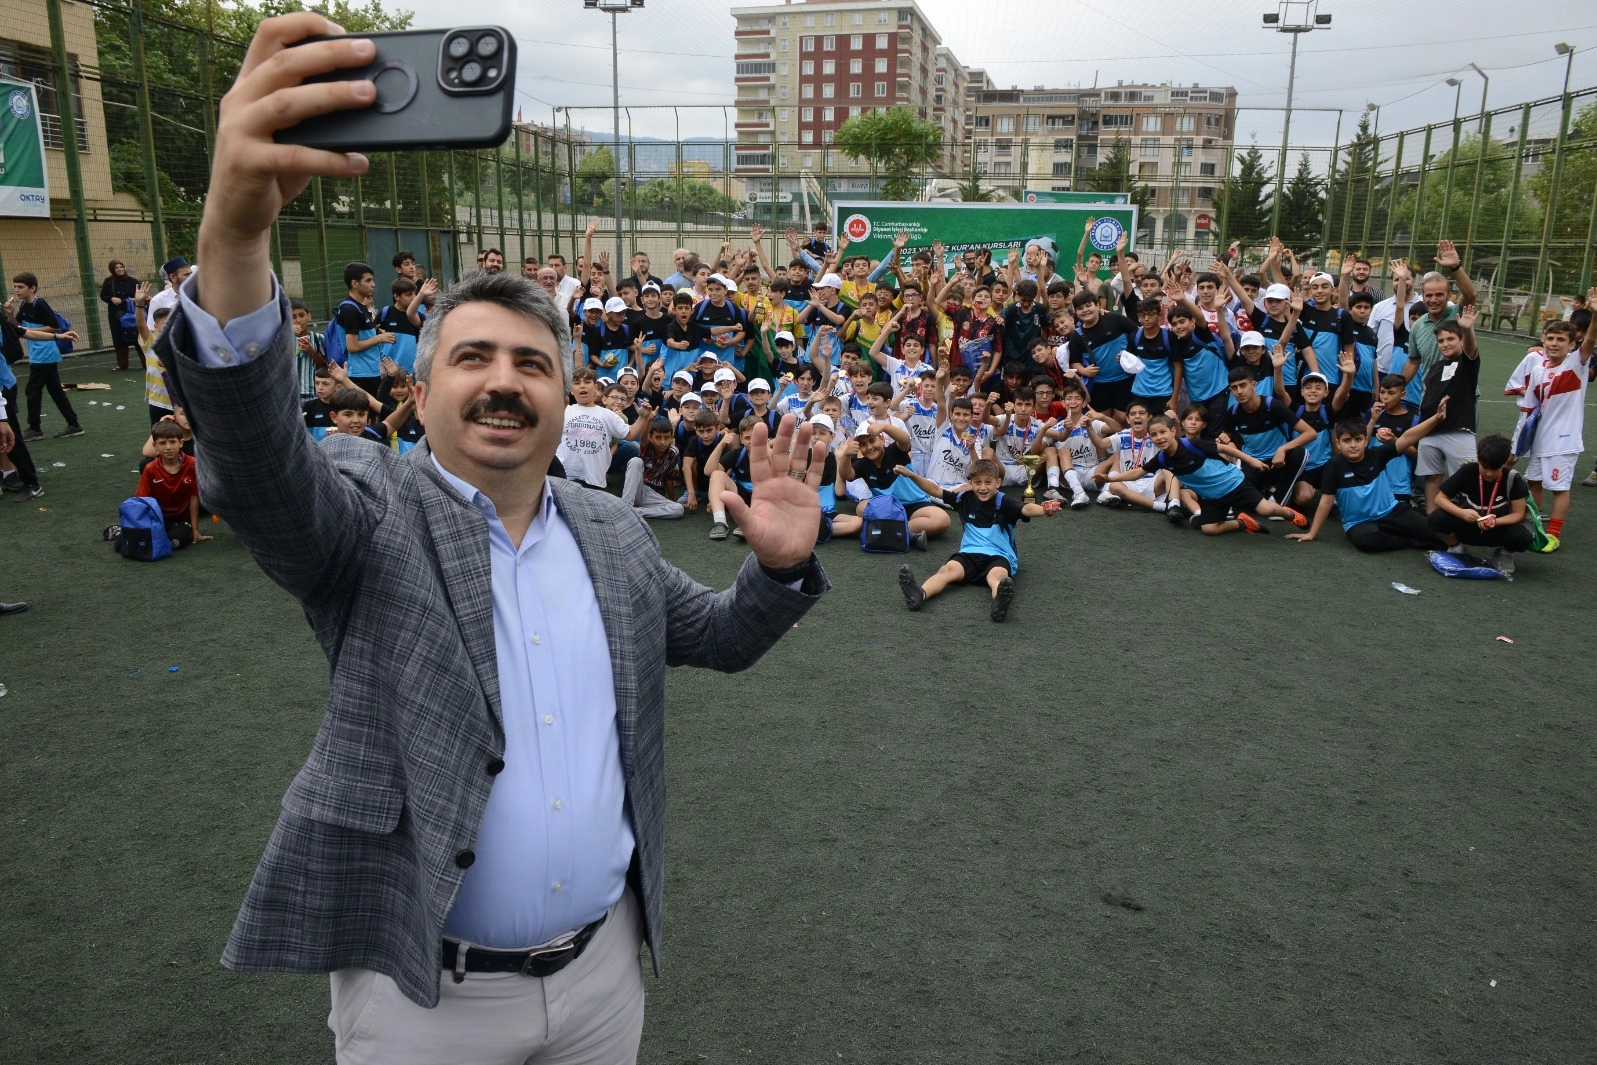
(1200, 363)
(1359, 341)
(363, 340)
(878, 464)
(986, 553)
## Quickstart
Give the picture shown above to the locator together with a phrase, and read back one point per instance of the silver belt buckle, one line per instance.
(546, 952)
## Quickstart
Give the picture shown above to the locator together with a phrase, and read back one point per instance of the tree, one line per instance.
(1244, 200)
(594, 185)
(1303, 209)
(1358, 195)
(694, 196)
(971, 190)
(1577, 184)
(898, 143)
(1113, 174)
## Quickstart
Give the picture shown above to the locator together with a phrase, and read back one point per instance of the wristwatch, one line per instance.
(792, 574)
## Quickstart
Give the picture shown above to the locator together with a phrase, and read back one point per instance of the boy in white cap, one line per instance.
(782, 351)
(824, 307)
(649, 324)
(687, 409)
(703, 369)
(607, 344)
(733, 406)
(724, 323)
(1321, 325)
(759, 396)
(592, 315)
(1278, 326)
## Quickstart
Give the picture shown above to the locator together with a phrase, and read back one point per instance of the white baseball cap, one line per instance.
(607, 381)
(1252, 339)
(723, 374)
(1313, 375)
(592, 303)
(707, 387)
(683, 376)
(694, 396)
(824, 421)
(707, 355)
(830, 281)
(1278, 291)
(759, 384)
(785, 335)
(1323, 276)
(863, 429)
(615, 305)
(722, 280)
(650, 287)
(626, 370)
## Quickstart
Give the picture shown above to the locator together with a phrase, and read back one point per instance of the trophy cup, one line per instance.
(1031, 462)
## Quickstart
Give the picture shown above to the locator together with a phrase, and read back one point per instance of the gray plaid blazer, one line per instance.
(391, 566)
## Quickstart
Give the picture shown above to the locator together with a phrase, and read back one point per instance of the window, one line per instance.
(1206, 169)
(828, 43)
(1216, 97)
(746, 69)
(807, 136)
(855, 90)
(1004, 146)
(1205, 193)
(806, 92)
(881, 20)
(26, 63)
(828, 91)
(1001, 169)
(807, 44)
(881, 89)
(1184, 123)
(807, 68)
(782, 22)
(806, 114)
(808, 161)
(1061, 170)
(1061, 121)
(982, 146)
(881, 66)
(1006, 124)
(826, 114)
(781, 69)
(853, 112)
(1183, 196)
(830, 19)
(809, 21)
(984, 121)
(782, 91)
(1178, 94)
(828, 67)
(784, 162)
(1214, 122)
(781, 114)
(826, 136)
(1032, 124)
(1184, 147)
(1153, 123)
(782, 45)
(856, 66)
(858, 20)
(1064, 144)
(1150, 146)
(752, 159)
(938, 99)
(857, 41)
(1116, 121)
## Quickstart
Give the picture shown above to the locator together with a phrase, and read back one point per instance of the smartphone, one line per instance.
(436, 89)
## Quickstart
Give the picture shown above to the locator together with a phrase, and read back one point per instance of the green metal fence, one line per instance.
(1483, 181)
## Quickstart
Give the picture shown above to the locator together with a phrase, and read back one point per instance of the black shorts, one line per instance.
(978, 566)
(1111, 395)
(911, 508)
(1244, 497)
(1276, 483)
(746, 494)
(1157, 405)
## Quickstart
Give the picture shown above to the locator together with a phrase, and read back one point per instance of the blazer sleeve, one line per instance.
(303, 510)
(730, 630)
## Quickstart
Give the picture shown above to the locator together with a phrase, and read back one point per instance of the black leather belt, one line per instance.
(544, 961)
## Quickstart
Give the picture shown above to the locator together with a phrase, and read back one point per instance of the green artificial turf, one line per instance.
(1327, 815)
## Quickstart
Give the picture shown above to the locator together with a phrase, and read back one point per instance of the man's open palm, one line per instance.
(782, 523)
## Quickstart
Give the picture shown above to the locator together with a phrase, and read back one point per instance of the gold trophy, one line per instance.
(1031, 462)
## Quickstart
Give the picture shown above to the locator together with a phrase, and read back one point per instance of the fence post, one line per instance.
(1550, 208)
(1584, 281)
(210, 93)
(393, 197)
(1447, 195)
(1225, 203)
(321, 246)
(571, 176)
(69, 142)
(1419, 193)
(1508, 219)
(678, 196)
(1369, 199)
(537, 190)
(521, 198)
(1475, 195)
(499, 194)
(1347, 196)
(476, 195)
(454, 214)
(360, 214)
(1391, 209)
(147, 137)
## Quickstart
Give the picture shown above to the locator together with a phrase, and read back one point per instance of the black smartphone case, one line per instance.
(429, 119)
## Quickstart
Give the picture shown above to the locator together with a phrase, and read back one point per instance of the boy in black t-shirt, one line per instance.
(1483, 503)
(1454, 377)
(649, 324)
(699, 448)
(318, 415)
(34, 314)
(683, 337)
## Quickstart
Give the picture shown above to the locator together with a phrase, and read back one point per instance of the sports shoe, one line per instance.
(718, 531)
(30, 435)
(1296, 517)
(30, 493)
(1079, 500)
(1249, 523)
(1590, 481)
(71, 430)
(1006, 592)
(1195, 521)
(1175, 512)
(737, 531)
(1456, 549)
(914, 596)
(1054, 495)
(1109, 499)
(918, 541)
(10, 483)
(111, 533)
(1503, 562)
(1550, 546)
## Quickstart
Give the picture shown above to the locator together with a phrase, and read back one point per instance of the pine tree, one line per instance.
(1244, 200)
(1113, 174)
(1303, 210)
(1358, 194)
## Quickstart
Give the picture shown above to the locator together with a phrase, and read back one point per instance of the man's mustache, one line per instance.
(502, 404)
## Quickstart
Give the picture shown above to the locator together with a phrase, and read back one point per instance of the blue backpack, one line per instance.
(61, 323)
(886, 526)
(143, 536)
(333, 337)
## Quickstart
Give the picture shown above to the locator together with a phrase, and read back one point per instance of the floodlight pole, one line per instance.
(614, 8)
(1296, 17)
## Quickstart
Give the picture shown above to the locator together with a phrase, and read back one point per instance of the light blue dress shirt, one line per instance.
(555, 843)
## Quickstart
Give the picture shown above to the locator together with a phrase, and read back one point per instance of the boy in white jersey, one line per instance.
(911, 350)
(1555, 397)
(1019, 434)
(916, 404)
(1073, 455)
(955, 447)
(1128, 450)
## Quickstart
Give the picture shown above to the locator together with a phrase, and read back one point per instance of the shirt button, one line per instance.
(559, 884)
(548, 719)
(557, 804)
(496, 766)
(465, 858)
(537, 638)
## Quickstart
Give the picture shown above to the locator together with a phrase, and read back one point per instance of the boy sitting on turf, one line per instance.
(876, 464)
(1076, 452)
(1019, 435)
(1390, 418)
(698, 447)
(662, 472)
(1264, 428)
(1355, 483)
(823, 431)
(987, 543)
(1204, 467)
(171, 481)
(729, 473)
(1483, 504)
(1128, 449)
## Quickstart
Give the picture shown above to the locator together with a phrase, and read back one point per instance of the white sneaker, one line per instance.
(1079, 500)
(1053, 495)
(1456, 549)
(1107, 498)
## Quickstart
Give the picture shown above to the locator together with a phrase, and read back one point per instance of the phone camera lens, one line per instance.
(470, 72)
(459, 47)
(488, 45)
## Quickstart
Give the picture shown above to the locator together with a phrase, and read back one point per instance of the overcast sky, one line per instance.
(680, 52)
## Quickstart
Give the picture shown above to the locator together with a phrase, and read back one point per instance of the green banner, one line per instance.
(1040, 196)
(24, 189)
(870, 226)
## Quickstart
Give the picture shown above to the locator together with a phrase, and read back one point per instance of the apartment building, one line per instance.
(1020, 138)
(807, 66)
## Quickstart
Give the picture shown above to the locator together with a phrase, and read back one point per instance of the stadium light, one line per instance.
(1296, 17)
(614, 8)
